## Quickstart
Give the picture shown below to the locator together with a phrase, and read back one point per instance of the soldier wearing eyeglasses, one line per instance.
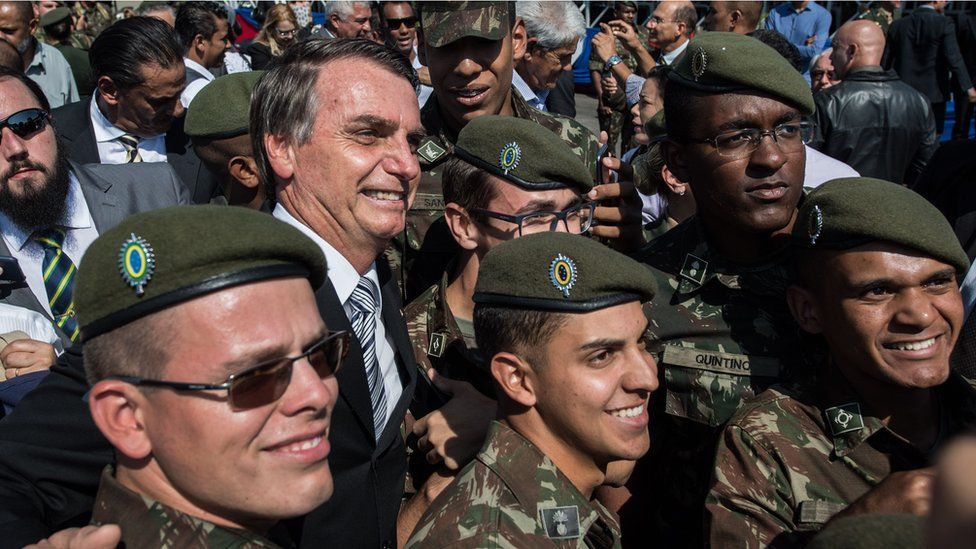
(212, 376)
(721, 329)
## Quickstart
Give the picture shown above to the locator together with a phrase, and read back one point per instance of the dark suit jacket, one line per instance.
(51, 453)
(922, 49)
(74, 127)
(112, 193)
(947, 183)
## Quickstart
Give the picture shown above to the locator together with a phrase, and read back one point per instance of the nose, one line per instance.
(402, 162)
(307, 391)
(768, 154)
(12, 144)
(641, 372)
(178, 109)
(915, 310)
(366, 26)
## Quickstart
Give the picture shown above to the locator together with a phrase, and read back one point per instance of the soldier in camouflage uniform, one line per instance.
(96, 15)
(884, 401)
(445, 28)
(560, 316)
(882, 13)
(721, 329)
(203, 462)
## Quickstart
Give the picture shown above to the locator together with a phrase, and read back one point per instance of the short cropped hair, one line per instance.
(127, 46)
(553, 23)
(135, 349)
(195, 18)
(466, 185)
(688, 16)
(518, 331)
(285, 102)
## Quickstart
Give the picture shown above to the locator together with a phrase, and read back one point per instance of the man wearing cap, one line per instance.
(469, 49)
(722, 332)
(860, 438)
(57, 28)
(239, 407)
(218, 126)
(560, 318)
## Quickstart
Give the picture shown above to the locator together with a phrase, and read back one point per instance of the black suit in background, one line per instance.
(51, 452)
(74, 127)
(967, 44)
(562, 98)
(922, 49)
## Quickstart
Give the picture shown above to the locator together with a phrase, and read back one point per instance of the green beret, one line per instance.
(161, 258)
(845, 213)
(723, 62)
(560, 272)
(55, 16)
(221, 109)
(522, 152)
(446, 22)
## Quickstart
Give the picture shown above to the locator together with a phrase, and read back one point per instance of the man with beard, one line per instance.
(43, 63)
(51, 209)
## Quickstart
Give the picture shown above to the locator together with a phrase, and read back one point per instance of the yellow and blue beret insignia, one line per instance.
(137, 261)
(562, 274)
(509, 157)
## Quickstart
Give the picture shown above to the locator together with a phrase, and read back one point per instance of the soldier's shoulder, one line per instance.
(781, 413)
(665, 252)
(418, 309)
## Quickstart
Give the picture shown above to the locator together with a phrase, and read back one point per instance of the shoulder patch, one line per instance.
(430, 151)
(844, 418)
(561, 522)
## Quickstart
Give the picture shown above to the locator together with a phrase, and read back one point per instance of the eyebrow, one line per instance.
(610, 342)
(882, 281)
(742, 123)
(268, 354)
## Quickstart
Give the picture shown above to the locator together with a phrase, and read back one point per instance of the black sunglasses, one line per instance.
(394, 24)
(266, 382)
(26, 122)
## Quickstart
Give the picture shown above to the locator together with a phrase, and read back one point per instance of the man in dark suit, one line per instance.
(135, 114)
(922, 49)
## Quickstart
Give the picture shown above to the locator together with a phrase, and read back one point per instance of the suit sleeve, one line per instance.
(51, 457)
(183, 196)
(950, 48)
(821, 122)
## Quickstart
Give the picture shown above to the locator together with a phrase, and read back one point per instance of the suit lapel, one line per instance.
(396, 328)
(102, 206)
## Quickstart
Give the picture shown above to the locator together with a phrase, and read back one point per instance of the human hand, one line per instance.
(423, 74)
(810, 40)
(609, 84)
(971, 92)
(603, 43)
(628, 37)
(106, 536)
(455, 432)
(617, 216)
(901, 492)
(24, 356)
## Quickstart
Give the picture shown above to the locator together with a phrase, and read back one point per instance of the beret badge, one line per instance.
(509, 157)
(698, 63)
(562, 274)
(814, 224)
(137, 261)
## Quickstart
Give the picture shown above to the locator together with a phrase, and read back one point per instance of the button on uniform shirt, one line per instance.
(344, 279)
(80, 232)
(194, 87)
(110, 149)
(798, 27)
(53, 74)
(533, 98)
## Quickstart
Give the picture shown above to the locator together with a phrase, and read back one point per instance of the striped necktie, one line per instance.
(59, 280)
(131, 144)
(364, 305)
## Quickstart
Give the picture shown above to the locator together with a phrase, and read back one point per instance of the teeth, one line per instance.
(385, 195)
(628, 412)
(916, 346)
(468, 93)
(306, 445)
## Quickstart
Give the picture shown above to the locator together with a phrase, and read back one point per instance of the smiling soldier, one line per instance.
(560, 317)
(884, 296)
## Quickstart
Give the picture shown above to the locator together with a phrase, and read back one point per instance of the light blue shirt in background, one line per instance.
(813, 20)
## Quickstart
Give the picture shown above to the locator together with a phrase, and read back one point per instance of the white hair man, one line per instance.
(554, 30)
(346, 19)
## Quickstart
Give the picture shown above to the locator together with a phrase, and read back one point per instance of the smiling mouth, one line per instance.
(470, 96)
(629, 412)
(911, 345)
(389, 196)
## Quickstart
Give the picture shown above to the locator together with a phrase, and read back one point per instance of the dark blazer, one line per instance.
(922, 49)
(112, 193)
(947, 183)
(51, 453)
(74, 127)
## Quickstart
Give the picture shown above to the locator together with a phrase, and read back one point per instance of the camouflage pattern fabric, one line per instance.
(77, 39)
(617, 125)
(446, 22)
(512, 495)
(98, 16)
(882, 17)
(148, 524)
(795, 456)
(721, 333)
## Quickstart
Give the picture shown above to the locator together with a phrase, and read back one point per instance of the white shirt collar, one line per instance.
(523, 88)
(670, 56)
(197, 67)
(77, 216)
(104, 130)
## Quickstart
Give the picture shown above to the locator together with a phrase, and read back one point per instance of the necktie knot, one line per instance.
(364, 296)
(131, 144)
(50, 238)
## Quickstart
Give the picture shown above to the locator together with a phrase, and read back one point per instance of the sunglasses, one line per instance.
(394, 24)
(26, 122)
(266, 382)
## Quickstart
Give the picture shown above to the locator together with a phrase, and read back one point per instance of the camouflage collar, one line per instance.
(443, 328)
(433, 122)
(148, 523)
(539, 486)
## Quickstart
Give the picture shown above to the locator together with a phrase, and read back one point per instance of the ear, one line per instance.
(108, 90)
(674, 159)
(244, 170)
(463, 228)
(199, 44)
(734, 19)
(118, 410)
(281, 156)
(32, 26)
(852, 51)
(519, 39)
(803, 307)
(515, 378)
(676, 185)
(335, 19)
(530, 48)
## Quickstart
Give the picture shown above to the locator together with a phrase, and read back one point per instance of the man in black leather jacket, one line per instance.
(872, 120)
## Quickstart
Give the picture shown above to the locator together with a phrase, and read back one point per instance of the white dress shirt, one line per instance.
(423, 94)
(669, 57)
(110, 149)
(79, 235)
(534, 99)
(821, 168)
(191, 89)
(344, 279)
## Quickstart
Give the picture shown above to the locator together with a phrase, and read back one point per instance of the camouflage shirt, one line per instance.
(148, 524)
(626, 57)
(882, 17)
(721, 333)
(794, 456)
(512, 495)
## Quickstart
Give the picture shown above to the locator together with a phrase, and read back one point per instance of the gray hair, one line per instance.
(343, 8)
(285, 102)
(554, 24)
(148, 8)
(816, 58)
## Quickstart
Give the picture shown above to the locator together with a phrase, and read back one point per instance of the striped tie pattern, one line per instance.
(131, 144)
(364, 304)
(59, 280)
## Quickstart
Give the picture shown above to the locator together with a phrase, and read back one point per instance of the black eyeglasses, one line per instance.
(741, 143)
(26, 122)
(266, 382)
(394, 24)
(577, 219)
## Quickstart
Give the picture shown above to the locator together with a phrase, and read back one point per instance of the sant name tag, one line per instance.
(561, 522)
(727, 363)
(428, 202)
